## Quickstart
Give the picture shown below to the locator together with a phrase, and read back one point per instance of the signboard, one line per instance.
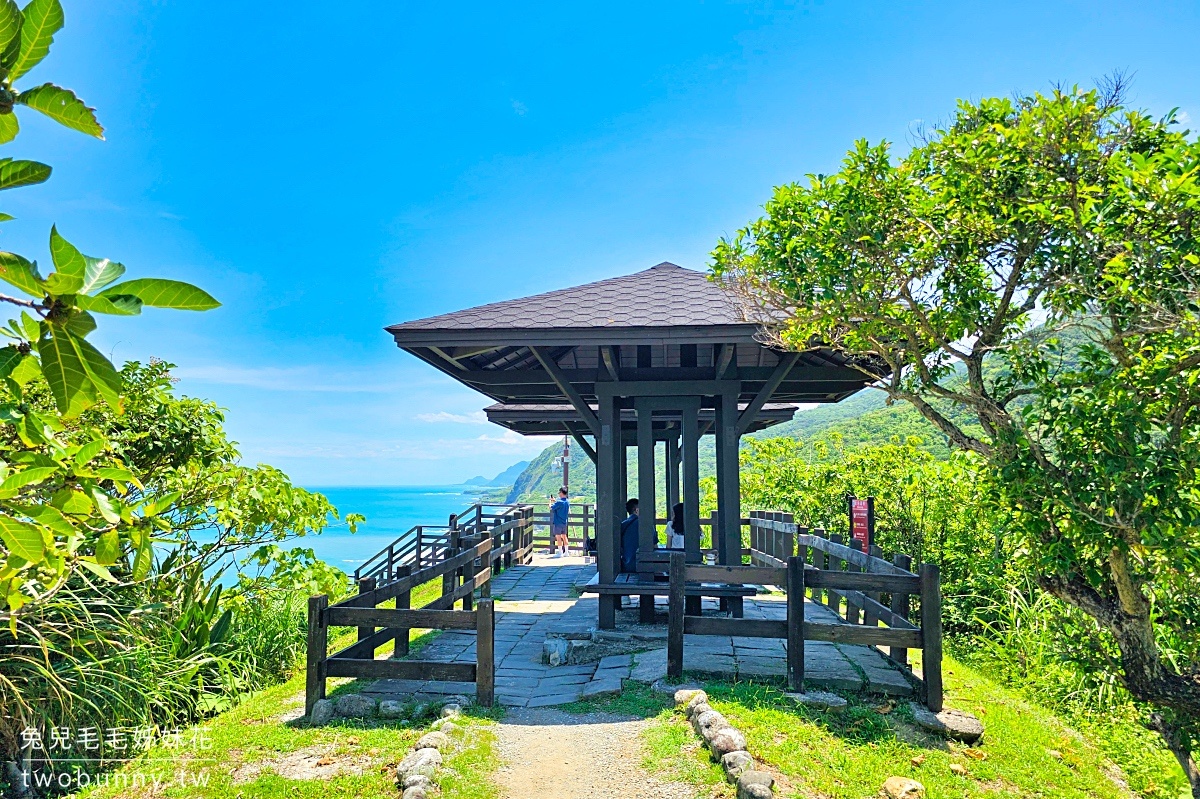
(862, 521)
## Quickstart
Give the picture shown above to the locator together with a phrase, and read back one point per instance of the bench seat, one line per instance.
(630, 585)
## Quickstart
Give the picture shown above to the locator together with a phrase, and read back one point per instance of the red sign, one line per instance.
(860, 521)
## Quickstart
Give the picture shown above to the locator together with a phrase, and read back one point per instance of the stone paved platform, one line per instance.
(535, 600)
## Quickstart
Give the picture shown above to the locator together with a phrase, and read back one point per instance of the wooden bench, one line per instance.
(636, 585)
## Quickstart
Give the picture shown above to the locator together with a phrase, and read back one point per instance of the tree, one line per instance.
(1016, 223)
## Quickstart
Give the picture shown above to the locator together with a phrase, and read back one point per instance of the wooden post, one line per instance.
(675, 613)
(485, 653)
(795, 623)
(851, 608)
(420, 546)
(833, 564)
(820, 560)
(691, 481)
(931, 635)
(450, 578)
(899, 606)
(587, 525)
(870, 618)
(403, 602)
(647, 530)
(318, 648)
(608, 444)
(365, 586)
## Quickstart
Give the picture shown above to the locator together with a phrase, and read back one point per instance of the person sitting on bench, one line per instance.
(629, 538)
(675, 528)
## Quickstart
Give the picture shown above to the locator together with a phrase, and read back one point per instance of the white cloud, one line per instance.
(475, 417)
(1184, 118)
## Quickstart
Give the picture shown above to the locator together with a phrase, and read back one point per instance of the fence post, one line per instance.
(450, 578)
(833, 563)
(899, 606)
(795, 623)
(318, 648)
(675, 608)
(403, 602)
(851, 608)
(365, 586)
(420, 546)
(485, 653)
(587, 525)
(931, 635)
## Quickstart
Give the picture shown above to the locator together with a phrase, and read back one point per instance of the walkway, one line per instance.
(541, 600)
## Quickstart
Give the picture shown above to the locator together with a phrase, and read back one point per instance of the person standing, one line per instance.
(675, 528)
(629, 538)
(559, 509)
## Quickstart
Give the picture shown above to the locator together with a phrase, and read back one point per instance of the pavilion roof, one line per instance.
(562, 419)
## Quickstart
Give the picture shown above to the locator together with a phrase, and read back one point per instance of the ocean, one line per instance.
(390, 510)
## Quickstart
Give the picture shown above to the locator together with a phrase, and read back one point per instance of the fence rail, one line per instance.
(872, 594)
(464, 556)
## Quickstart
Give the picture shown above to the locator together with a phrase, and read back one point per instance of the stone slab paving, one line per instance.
(533, 601)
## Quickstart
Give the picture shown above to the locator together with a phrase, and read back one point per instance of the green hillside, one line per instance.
(860, 419)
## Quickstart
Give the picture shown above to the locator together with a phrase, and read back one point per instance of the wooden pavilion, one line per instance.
(658, 355)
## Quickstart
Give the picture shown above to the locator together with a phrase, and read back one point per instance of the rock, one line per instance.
(582, 651)
(322, 712)
(735, 763)
(432, 740)
(423, 761)
(554, 651)
(956, 724)
(419, 711)
(697, 709)
(958, 769)
(451, 711)
(725, 742)
(755, 785)
(415, 792)
(419, 781)
(446, 725)
(461, 700)
(684, 696)
(391, 709)
(819, 700)
(706, 724)
(354, 706)
(698, 698)
(903, 788)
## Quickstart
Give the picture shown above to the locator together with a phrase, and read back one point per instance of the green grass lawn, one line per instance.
(1026, 752)
(239, 753)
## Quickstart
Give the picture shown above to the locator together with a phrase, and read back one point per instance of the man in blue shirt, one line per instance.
(629, 538)
(559, 509)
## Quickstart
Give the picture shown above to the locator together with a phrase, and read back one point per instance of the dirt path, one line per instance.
(556, 755)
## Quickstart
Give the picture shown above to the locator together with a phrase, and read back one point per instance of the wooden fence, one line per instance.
(870, 593)
(464, 556)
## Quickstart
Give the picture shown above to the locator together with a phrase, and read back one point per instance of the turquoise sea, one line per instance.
(390, 510)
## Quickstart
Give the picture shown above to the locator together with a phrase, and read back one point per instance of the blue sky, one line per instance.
(326, 169)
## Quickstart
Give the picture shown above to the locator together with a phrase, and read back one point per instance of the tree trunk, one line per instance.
(1148, 678)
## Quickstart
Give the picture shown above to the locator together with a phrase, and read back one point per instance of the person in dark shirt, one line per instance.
(629, 538)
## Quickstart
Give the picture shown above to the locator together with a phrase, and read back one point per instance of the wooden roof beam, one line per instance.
(555, 371)
(786, 362)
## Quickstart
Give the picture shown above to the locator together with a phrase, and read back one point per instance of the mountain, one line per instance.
(502, 480)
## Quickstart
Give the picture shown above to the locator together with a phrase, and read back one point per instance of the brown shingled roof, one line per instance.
(665, 295)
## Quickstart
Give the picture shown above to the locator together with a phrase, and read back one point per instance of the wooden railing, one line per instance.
(581, 525)
(465, 557)
(872, 594)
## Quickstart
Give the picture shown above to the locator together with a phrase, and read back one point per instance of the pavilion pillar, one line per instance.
(648, 507)
(729, 505)
(690, 433)
(672, 471)
(608, 520)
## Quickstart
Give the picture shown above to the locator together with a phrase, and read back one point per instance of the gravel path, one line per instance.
(556, 755)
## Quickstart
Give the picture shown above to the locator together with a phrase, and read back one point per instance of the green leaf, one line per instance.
(49, 517)
(108, 548)
(17, 481)
(98, 273)
(26, 370)
(106, 506)
(119, 305)
(117, 474)
(103, 375)
(157, 505)
(159, 293)
(22, 539)
(89, 451)
(75, 503)
(63, 107)
(65, 372)
(67, 258)
(10, 32)
(22, 173)
(21, 273)
(142, 560)
(6, 217)
(98, 570)
(9, 127)
(10, 356)
(41, 19)
(80, 323)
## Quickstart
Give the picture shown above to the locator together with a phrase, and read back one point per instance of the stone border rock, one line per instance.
(726, 744)
(416, 772)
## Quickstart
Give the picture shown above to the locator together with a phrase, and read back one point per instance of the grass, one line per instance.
(1026, 752)
(208, 757)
